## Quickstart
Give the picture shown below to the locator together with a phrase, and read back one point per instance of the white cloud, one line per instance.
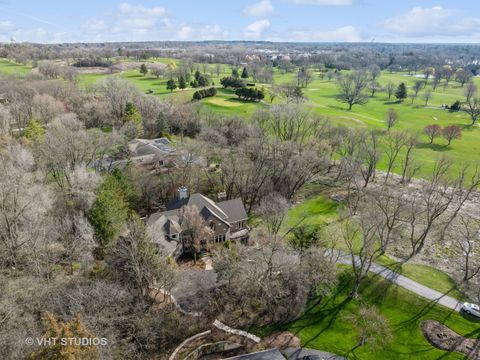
(95, 25)
(324, 2)
(434, 21)
(345, 33)
(6, 25)
(262, 8)
(139, 20)
(256, 29)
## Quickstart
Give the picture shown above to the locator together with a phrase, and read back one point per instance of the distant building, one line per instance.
(227, 219)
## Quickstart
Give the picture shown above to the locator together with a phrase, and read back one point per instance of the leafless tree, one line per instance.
(391, 119)
(390, 89)
(373, 328)
(352, 88)
(46, 108)
(472, 108)
(427, 96)
(395, 141)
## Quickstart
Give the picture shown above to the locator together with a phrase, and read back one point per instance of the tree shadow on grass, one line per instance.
(434, 147)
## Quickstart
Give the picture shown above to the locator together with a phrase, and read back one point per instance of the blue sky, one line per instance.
(273, 20)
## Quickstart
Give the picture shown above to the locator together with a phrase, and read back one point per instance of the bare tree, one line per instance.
(198, 236)
(390, 89)
(391, 119)
(472, 108)
(395, 141)
(373, 328)
(427, 96)
(352, 89)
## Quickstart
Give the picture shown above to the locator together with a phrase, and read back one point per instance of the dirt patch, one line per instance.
(444, 338)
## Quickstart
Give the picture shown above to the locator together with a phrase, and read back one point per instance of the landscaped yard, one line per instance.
(325, 326)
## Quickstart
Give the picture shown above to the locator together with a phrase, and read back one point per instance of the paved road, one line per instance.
(410, 284)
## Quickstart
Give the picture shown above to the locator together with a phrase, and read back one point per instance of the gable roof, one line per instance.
(200, 202)
(234, 209)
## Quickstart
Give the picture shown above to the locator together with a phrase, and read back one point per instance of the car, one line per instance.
(471, 309)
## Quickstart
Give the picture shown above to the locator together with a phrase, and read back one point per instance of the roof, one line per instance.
(234, 210)
(200, 202)
(271, 354)
(142, 147)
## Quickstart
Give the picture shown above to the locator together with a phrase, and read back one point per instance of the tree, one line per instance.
(395, 141)
(157, 69)
(451, 132)
(198, 236)
(463, 76)
(470, 91)
(34, 131)
(143, 69)
(24, 206)
(137, 262)
(401, 93)
(427, 95)
(304, 236)
(465, 246)
(373, 328)
(171, 85)
(391, 119)
(447, 72)
(108, 214)
(374, 71)
(472, 108)
(235, 72)
(352, 87)
(66, 332)
(428, 72)
(432, 131)
(181, 83)
(390, 89)
(416, 88)
(374, 86)
(245, 73)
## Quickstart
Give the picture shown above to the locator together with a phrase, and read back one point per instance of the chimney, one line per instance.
(221, 196)
(182, 193)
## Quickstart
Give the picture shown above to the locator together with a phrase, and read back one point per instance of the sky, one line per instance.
(398, 21)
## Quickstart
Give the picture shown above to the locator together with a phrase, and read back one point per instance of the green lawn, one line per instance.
(325, 327)
(11, 68)
(322, 211)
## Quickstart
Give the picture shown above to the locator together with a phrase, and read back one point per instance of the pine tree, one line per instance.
(181, 83)
(34, 130)
(73, 341)
(401, 92)
(245, 74)
(171, 85)
(235, 73)
(143, 69)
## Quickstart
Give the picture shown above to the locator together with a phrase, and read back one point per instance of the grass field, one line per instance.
(322, 212)
(325, 326)
(322, 99)
(11, 68)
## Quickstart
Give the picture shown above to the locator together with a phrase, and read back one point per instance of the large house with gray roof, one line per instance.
(227, 219)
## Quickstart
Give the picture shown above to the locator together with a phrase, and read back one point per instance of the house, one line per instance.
(227, 219)
(154, 153)
(157, 152)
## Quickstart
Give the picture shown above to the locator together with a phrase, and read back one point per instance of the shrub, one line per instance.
(200, 94)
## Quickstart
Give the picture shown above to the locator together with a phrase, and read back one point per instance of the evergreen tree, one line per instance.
(109, 212)
(143, 69)
(235, 73)
(401, 93)
(69, 343)
(245, 74)
(181, 83)
(171, 85)
(34, 130)
(132, 114)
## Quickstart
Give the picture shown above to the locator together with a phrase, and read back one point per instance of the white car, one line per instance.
(471, 309)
